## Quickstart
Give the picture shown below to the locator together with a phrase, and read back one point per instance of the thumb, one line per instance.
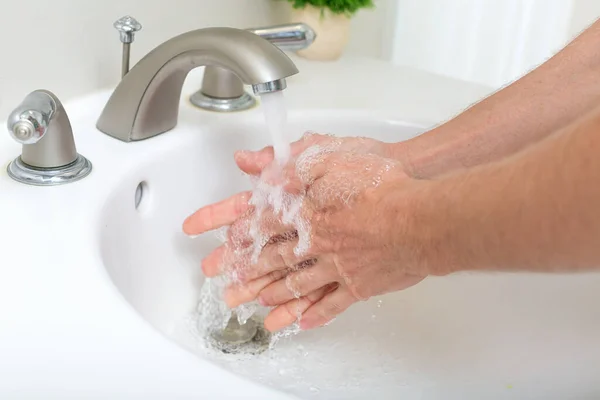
(253, 162)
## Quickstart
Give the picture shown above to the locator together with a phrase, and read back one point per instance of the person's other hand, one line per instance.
(350, 206)
(253, 163)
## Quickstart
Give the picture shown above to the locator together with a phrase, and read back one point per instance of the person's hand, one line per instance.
(253, 163)
(349, 205)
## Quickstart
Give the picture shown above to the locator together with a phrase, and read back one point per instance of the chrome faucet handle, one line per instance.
(288, 37)
(30, 125)
(127, 27)
(223, 91)
(53, 160)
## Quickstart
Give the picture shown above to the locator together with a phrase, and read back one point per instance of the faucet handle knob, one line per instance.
(30, 127)
(28, 123)
(127, 27)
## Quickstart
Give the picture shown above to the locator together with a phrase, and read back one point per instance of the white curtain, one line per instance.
(487, 41)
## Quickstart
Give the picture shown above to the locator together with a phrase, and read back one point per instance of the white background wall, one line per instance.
(487, 41)
(70, 46)
(584, 12)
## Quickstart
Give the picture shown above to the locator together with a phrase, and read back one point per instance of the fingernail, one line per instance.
(185, 223)
(204, 267)
(231, 302)
(262, 302)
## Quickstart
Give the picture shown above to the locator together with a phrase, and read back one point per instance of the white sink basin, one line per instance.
(156, 266)
(473, 336)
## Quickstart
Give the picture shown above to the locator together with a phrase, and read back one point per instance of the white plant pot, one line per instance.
(332, 31)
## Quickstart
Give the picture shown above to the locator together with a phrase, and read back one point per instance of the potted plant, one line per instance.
(330, 20)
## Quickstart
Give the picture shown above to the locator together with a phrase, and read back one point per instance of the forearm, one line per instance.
(538, 210)
(549, 97)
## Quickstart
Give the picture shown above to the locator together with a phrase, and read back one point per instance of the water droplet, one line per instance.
(314, 389)
(379, 303)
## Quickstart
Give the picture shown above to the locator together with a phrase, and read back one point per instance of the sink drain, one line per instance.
(249, 338)
(236, 333)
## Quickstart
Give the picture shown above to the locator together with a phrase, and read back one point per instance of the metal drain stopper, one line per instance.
(235, 333)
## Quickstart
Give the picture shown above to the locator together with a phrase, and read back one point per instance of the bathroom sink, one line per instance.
(100, 287)
(464, 336)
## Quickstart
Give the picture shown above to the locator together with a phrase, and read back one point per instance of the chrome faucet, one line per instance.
(223, 91)
(146, 101)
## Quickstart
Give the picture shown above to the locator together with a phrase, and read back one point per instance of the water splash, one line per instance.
(268, 196)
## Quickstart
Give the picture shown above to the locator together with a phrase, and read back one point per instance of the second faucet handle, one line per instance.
(288, 37)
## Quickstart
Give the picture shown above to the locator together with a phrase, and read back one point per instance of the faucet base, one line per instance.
(24, 173)
(244, 102)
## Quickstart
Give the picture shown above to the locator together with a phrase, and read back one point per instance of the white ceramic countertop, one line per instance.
(65, 330)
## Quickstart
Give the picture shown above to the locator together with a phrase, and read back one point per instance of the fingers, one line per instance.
(314, 163)
(254, 162)
(286, 314)
(227, 260)
(251, 228)
(211, 265)
(286, 178)
(297, 284)
(273, 257)
(238, 234)
(244, 293)
(408, 281)
(227, 211)
(217, 215)
(236, 256)
(330, 306)
(278, 256)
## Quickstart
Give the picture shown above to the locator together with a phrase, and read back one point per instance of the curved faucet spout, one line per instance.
(146, 101)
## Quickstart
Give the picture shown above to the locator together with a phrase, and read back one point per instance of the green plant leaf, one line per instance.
(347, 7)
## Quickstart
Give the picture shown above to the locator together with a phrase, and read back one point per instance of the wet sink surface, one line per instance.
(465, 336)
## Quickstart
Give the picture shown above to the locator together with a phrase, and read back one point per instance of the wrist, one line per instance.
(426, 155)
(403, 153)
(434, 229)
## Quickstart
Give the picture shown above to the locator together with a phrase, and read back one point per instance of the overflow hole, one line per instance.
(141, 196)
